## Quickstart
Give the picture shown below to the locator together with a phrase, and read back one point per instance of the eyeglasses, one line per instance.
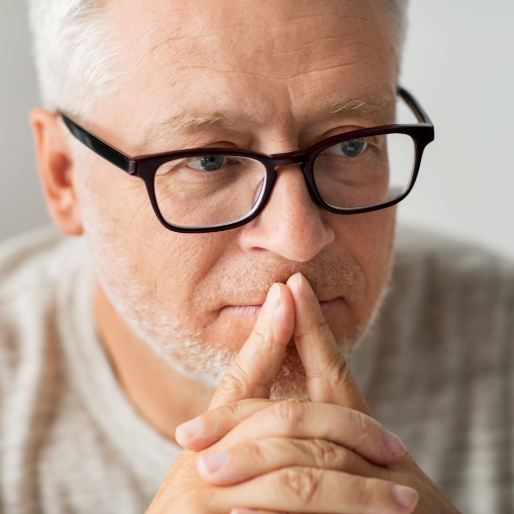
(214, 189)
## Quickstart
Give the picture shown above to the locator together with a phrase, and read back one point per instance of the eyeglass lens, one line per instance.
(365, 172)
(204, 191)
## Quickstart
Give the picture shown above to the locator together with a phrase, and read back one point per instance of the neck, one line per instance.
(162, 396)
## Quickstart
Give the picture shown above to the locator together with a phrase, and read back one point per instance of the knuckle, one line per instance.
(261, 334)
(233, 385)
(254, 452)
(288, 413)
(318, 325)
(232, 413)
(325, 454)
(364, 426)
(322, 323)
(365, 491)
(228, 411)
(342, 377)
(302, 482)
(371, 491)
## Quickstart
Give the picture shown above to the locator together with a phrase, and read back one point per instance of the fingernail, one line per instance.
(305, 288)
(190, 428)
(213, 462)
(273, 299)
(394, 443)
(405, 496)
(242, 511)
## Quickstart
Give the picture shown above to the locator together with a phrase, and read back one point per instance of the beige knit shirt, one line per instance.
(437, 369)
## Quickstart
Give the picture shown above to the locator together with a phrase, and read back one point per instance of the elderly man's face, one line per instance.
(270, 76)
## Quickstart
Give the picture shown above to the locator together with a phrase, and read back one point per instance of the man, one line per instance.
(208, 301)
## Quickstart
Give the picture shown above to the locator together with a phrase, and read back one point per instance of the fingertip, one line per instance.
(305, 288)
(280, 306)
(394, 445)
(306, 304)
(210, 465)
(273, 299)
(189, 434)
(405, 496)
(190, 428)
(300, 287)
(293, 282)
(288, 317)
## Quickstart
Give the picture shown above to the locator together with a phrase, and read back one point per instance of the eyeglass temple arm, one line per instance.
(419, 112)
(98, 146)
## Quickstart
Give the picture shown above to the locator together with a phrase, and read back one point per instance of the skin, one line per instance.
(274, 104)
(276, 71)
(324, 456)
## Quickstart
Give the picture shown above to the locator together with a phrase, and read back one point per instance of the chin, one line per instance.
(290, 380)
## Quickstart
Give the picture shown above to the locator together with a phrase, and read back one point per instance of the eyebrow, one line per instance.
(368, 106)
(189, 121)
(162, 131)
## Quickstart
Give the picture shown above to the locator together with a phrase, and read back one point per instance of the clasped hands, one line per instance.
(249, 454)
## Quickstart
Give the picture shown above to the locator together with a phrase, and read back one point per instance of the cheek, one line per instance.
(369, 239)
(111, 200)
(125, 234)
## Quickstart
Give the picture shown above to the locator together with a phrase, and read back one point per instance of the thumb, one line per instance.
(252, 373)
(328, 377)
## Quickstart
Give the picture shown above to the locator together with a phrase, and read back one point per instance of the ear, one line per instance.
(56, 169)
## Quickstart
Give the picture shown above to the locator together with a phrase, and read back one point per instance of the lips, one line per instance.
(251, 310)
(327, 306)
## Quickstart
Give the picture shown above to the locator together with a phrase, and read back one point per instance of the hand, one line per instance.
(292, 456)
(251, 376)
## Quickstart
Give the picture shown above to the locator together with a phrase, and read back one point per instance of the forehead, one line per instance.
(252, 61)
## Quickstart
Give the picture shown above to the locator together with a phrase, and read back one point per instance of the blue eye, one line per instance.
(207, 163)
(353, 148)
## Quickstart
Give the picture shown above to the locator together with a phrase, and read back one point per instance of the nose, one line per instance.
(291, 225)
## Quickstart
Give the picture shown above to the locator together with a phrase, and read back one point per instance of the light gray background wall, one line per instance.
(21, 205)
(459, 63)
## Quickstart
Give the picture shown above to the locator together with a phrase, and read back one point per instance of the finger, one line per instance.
(308, 490)
(301, 420)
(256, 458)
(252, 373)
(207, 429)
(328, 378)
(253, 511)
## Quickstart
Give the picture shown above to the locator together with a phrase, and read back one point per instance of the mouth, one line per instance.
(252, 311)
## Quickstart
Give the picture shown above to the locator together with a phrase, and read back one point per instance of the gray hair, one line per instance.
(74, 50)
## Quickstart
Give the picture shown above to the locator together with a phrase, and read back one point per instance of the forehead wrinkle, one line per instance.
(192, 37)
(268, 25)
(279, 77)
(262, 48)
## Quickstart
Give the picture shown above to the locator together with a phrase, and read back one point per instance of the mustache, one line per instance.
(251, 279)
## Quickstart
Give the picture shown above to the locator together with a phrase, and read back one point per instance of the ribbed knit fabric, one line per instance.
(70, 441)
(438, 367)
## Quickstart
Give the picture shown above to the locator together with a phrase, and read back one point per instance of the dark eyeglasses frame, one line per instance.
(146, 166)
